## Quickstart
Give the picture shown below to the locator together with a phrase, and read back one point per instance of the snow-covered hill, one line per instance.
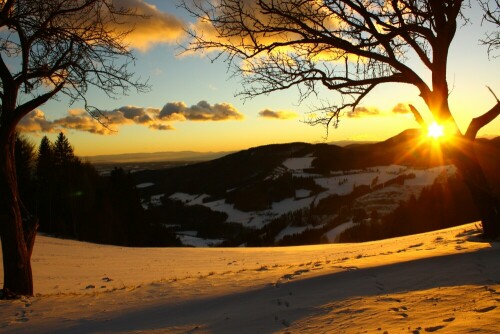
(297, 193)
(445, 281)
(384, 196)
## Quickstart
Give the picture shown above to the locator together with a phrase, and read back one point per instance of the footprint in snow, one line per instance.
(433, 329)
(296, 273)
(22, 317)
(486, 309)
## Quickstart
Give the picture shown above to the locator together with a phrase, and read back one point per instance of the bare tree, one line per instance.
(47, 49)
(349, 47)
(491, 9)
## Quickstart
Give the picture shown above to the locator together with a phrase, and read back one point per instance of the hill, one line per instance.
(445, 281)
(299, 193)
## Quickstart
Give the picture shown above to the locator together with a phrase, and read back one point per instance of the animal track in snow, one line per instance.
(486, 309)
(433, 329)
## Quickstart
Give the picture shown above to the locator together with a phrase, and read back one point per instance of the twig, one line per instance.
(492, 92)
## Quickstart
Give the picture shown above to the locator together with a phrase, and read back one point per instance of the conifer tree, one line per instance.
(44, 161)
(25, 162)
(44, 184)
(63, 151)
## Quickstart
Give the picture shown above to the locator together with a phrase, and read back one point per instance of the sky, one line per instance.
(199, 110)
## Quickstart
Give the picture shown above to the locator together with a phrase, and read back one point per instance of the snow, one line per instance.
(187, 198)
(445, 281)
(301, 193)
(298, 164)
(189, 240)
(154, 200)
(248, 219)
(290, 230)
(332, 235)
(383, 200)
(144, 185)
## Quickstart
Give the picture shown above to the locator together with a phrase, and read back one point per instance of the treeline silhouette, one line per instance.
(445, 203)
(71, 200)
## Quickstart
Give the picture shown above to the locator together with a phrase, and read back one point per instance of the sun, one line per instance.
(435, 131)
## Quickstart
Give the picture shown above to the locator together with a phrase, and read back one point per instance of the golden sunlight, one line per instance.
(435, 131)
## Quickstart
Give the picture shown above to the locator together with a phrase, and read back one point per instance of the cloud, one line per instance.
(161, 127)
(35, 121)
(363, 112)
(255, 16)
(202, 111)
(149, 26)
(78, 119)
(138, 115)
(401, 108)
(280, 114)
(110, 121)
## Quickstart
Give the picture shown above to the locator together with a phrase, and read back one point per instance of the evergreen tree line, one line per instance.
(444, 204)
(70, 199)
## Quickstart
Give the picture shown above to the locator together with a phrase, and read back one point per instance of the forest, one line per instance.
(70, 199)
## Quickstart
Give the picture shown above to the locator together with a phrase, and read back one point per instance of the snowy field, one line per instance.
(443, 282)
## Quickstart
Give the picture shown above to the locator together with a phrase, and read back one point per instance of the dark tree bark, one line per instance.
(17, 239)
(48, 48)
(464, 157)
(488, 205)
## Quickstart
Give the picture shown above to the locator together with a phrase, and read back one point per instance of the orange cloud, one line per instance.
(109, 121)
(35, 121)
(80, 120)
(149, 26)
(161, 127)
(202, 111)
(364, 111)
(401, 108)
(255, 17)
(280, 114)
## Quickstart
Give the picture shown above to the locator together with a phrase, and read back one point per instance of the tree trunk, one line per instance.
(464, 157)
(17, 240)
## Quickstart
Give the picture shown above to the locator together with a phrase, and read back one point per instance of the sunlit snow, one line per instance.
(444, 281)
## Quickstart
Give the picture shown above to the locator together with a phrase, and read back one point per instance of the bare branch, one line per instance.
(479, 122)
(491, 9)
(62, 47)
(346, 46)
(418, 116)
(492, 92)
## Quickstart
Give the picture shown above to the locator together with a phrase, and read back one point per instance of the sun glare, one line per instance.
(435, 131)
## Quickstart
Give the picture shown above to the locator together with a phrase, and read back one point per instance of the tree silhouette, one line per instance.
(45, 158)
(25, 164)
(350, 47)
(63, 152)
(45, 175)
(47, 49)
(492, 15)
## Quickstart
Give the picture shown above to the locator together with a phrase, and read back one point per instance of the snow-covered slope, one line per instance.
(342, 183)
(444, 281)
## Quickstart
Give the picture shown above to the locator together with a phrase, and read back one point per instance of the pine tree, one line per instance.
(45, 159)
(25, 162)
(63, 151)
(44, 185)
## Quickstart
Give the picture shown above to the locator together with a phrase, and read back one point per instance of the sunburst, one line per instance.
(435, 131)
